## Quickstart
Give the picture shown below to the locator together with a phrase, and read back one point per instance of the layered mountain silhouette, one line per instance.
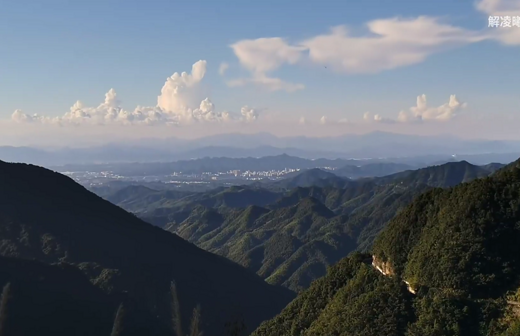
(313, 177)
(371, 170)
(290, 237)
(445, 175)
(446, 265)
(47, 217)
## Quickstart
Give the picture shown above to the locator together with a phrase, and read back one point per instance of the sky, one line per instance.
(99, 71)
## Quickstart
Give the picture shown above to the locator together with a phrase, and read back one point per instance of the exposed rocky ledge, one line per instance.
(384, 267)
(387, 270)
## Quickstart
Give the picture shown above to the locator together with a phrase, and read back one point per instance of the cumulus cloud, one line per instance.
(422, 112)
(367, 116)
(323, 120)
(378, 118)
(180, 92)
(388, 44)
(222, 68)
(178, 103)
(249, 114)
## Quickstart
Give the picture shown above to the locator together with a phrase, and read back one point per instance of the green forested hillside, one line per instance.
(290, 238)
(48, 217)
(292, 244)
(451, 264)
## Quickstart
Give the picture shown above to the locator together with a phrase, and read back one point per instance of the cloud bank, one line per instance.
(388, 44)
(178, 103)
(422, 112)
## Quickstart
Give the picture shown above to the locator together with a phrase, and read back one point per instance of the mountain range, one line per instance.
(421, 252)
(290, 231)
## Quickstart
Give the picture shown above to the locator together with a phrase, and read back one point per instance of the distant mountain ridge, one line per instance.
(372, 170)
(370, 145)
(444, 175)
(313, 177)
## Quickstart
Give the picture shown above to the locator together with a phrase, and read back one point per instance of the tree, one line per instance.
(117, 329)
(176, 311)
(4, 309)
(176, 315)
(236, 327)
(195, 323)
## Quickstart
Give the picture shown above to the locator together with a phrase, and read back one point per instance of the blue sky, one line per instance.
(55, 52)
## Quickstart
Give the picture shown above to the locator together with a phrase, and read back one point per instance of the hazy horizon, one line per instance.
(101, 138)
(411, 69)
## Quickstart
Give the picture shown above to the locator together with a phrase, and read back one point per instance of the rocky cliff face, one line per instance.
(384, 267)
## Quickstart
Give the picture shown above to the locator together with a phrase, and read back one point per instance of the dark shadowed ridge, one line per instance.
(445, 175)
(78, 307)
(48, 217)
(371, 170)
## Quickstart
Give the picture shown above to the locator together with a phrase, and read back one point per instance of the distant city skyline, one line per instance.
(85, 73)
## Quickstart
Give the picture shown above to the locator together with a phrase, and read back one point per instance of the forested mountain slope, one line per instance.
(451, 264)
(48, 217)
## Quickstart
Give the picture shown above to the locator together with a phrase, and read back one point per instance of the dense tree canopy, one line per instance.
(458, 250)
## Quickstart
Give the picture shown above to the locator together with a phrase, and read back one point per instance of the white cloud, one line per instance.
(378, 118)
(249, 114)
(421, 112)
(388, 44)
(181, 91)
(302, 121)
(178, 103)
(20, 117)
(444, 112)
(222, 68)
(391, 43)
(265, 55)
